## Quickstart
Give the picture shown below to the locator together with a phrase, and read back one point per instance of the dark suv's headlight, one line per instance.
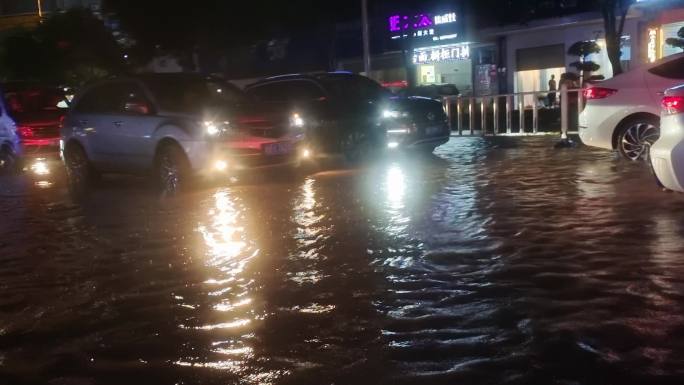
(394, 114)
(296, 120)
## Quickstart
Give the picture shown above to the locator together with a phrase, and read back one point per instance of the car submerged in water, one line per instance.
(174, 127)
(667, 153)
(348, 114)
(623, 113)
(180, 126)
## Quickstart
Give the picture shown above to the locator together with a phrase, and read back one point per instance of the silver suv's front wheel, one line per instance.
(78, 169)
(172, 169)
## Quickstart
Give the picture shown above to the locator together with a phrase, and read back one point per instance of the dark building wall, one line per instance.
(16, 7)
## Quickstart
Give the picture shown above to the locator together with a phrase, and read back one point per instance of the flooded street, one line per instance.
(496, 261)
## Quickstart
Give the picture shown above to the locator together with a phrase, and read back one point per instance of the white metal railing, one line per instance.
(490, 121)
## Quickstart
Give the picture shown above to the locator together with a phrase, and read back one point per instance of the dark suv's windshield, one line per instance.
(355, 88)
(193, 95)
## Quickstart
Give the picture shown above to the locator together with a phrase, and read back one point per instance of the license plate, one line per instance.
(282, 148)
(433, 130)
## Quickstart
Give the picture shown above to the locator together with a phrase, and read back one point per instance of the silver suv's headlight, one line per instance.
(216, 129)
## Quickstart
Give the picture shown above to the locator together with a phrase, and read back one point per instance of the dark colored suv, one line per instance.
(349, 114)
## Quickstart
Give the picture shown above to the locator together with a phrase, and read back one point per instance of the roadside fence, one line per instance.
(516, 114)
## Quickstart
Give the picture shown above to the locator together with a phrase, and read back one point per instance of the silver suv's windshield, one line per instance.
(191, 95)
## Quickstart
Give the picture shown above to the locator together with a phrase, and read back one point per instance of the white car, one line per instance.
(667, 154)
(623, 113)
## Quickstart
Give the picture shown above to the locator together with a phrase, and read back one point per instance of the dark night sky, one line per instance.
(174, 21)
(310, 25)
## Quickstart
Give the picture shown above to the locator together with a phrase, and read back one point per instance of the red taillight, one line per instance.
(25, 132)
(598, 93)
(673, 105)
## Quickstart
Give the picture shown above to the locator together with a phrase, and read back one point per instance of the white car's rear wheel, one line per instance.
(637, 136)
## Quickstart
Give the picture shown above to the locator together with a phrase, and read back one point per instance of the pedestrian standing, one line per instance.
(552, 87)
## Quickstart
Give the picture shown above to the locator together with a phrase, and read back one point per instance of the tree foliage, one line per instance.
(70, 48)
(582, 49)
(678, 41)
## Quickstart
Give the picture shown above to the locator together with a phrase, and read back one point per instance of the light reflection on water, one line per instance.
(228, 252)
(496, 261)
(309, 233)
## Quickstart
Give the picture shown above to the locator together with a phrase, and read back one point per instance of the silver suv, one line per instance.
(174, 126)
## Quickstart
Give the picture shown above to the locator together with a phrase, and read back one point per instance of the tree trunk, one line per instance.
(613, 30)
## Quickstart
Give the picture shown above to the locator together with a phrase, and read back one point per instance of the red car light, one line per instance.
(25, 132)
(673, 105)
(598, 93)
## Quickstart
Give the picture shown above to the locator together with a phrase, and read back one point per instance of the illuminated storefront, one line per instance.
(439, 50)
(444, 64)
(436, 47)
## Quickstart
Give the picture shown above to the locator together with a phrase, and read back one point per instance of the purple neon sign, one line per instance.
(405, 23)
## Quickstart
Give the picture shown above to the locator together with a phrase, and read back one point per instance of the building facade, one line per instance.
(439, 47)
(538, 51)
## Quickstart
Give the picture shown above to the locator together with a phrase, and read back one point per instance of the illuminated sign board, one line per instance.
(446, 18)
(441, 53)
(422, 25)
(406, 23)
(652, 45)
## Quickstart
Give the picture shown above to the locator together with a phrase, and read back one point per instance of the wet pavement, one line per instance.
(496, 261)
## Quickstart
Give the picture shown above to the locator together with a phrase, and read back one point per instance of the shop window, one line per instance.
(601, 58)
(670, 30)
(427, 74)
(456, 72)
(536, 80)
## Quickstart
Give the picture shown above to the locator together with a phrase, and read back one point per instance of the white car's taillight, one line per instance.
(598, 93)
(673, 105)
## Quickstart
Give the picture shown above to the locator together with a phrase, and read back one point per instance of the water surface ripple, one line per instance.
(496, 261)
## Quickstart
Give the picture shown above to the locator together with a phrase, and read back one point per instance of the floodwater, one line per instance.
(496, 261)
